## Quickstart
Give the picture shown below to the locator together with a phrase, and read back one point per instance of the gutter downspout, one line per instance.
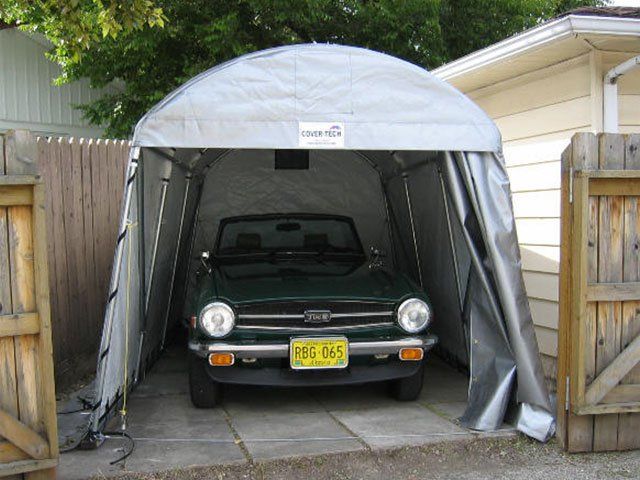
(610, 93)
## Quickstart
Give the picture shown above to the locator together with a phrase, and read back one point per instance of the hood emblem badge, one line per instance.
(317, 316)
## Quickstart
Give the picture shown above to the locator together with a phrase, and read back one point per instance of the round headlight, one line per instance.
(217, 319)
(414, 315)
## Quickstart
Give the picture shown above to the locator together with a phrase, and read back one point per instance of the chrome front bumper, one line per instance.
(281, 350)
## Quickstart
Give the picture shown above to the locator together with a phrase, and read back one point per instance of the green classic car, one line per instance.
(293, 300)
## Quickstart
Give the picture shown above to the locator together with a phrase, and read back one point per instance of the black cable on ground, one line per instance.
(69, 412)
(87, 406)
(123, 435)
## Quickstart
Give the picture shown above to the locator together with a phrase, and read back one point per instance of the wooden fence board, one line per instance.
(46, 170)
(100, 181)
(23, 436)
(11, 195)
(74, 236)
(8, 381)
(629, 423)
(599, 345)
(611, 226)
(47, 392)
(10, 453)
(84, 184)
(57, 237)
(564, 345)
(27, 397)
(583, 268)
(19, 324)
(93, 305)
(20, 153)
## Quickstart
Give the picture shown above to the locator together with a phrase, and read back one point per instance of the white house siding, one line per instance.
(629, 94)
(538, 113)
(28, 99)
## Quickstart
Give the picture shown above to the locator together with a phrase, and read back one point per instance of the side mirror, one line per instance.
(375, 257)
(377, 253)
(204, 259)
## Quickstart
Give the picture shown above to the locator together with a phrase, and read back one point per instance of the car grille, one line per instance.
(291, 315)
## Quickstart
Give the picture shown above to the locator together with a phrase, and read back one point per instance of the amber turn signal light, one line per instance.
(221, 359)
(411, 354)
(192, 321)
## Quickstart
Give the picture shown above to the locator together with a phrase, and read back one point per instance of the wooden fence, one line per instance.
(28, 427)
(599, 342)
(84, 181)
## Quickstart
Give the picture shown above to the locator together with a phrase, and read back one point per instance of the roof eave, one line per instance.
(537, 37)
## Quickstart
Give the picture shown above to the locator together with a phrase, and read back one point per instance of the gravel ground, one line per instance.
(493, 459)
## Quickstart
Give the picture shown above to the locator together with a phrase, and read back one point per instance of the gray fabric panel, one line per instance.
(488, 183)
(118, 353)
(479, 188)
(337, 182)
(178, 306)
(257, 100)
(155, 168)
(436, 255)
(160, 283)
(404, 251)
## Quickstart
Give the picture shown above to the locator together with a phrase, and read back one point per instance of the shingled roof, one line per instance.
(621, 12)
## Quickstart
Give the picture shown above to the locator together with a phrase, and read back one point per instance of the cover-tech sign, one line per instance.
(321, 134)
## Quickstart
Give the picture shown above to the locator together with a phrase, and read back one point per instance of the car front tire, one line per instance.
(205, 392)
(408, 389)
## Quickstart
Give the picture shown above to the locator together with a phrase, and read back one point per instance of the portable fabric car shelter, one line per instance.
(413, 161)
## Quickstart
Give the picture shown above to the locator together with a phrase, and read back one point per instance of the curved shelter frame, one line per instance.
(415, 162)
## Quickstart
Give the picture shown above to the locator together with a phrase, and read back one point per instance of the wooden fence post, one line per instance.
(28, 428)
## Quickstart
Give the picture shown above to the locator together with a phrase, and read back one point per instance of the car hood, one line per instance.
(296, 280)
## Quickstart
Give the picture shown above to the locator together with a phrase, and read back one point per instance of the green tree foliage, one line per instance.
(468, 25)
(142, 49)
(73, 26)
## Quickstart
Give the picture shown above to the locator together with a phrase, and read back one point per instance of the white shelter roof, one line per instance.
(265, 99)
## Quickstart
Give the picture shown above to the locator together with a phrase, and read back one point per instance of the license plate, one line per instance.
(319, 353)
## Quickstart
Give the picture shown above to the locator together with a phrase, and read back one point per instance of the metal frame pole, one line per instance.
(175, 260)
(405, 179)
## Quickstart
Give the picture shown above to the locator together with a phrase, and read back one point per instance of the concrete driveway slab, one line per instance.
(450, 410)
(240, 400)
(174, 417)
(443, 384)
(271, 422)
(403, 424)
(80, 464)
(149, 455)
(174, 360)
(354, 397)
(278, 435)
(159, 454)
(168, 433)
(163, 383)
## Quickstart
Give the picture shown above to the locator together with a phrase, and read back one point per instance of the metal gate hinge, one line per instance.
(571, 173)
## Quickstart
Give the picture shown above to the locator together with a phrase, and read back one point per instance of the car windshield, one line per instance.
(295, 235)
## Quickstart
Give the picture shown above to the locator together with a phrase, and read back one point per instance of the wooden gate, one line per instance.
(28, 432)
(599, 337)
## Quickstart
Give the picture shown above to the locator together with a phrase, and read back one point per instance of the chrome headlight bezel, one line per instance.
(421, 308)
(206, 319)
